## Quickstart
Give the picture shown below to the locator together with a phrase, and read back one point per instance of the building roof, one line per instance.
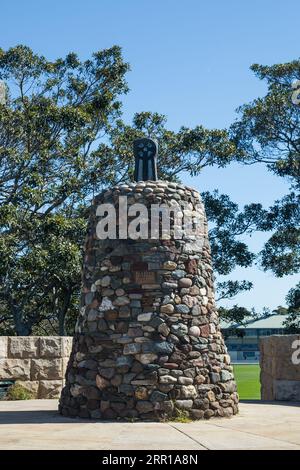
(271, 321)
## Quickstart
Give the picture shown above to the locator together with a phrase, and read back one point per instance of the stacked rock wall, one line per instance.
(38, 363)
(148, 343)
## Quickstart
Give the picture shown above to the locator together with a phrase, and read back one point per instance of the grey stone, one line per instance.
(163, 329)
(107, 373)
(287, 390)
(121, 301)
(124, 361)
(226, 375)
(179, 329)
(214, 377)
(132, 348)
(158, 396)
(182, 308)
(169, 286)
(178, 274)
(184, 404)
(158, 347)
(105, 281)
(144, 406)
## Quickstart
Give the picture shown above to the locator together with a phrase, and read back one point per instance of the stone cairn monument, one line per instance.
(148, 343)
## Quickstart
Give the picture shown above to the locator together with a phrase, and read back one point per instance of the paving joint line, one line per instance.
(192, 438)
(257, 435)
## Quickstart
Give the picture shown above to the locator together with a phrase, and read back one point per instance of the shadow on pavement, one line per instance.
(263, 402)
(39, 417)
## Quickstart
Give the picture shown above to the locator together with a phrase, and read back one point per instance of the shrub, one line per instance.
(18, 392)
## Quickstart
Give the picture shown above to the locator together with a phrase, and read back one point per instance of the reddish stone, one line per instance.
(170, 365)
(204, 331)
(191, 266)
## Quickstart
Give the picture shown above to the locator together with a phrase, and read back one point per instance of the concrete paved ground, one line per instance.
(35, 424)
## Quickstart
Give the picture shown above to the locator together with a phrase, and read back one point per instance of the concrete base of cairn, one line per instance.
(148, 343)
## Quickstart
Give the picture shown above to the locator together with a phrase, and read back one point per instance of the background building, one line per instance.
(242, 339)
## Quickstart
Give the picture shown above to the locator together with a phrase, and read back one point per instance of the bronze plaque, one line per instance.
(140, 266)
(144, 277)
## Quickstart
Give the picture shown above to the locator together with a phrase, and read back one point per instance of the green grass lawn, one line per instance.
(247, 379)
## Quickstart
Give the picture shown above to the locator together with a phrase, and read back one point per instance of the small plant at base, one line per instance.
(18, 392)
(180, 416)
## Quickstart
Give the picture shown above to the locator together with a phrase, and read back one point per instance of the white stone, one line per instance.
(167, 379)
(106, 304)
(145, 316)
(188, 391)
(194, 331)
(146, 358)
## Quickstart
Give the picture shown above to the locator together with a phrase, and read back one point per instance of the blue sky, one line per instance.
(189, 60)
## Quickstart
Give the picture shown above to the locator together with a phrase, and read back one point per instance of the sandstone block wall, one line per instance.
(37, 362)
(280, 367)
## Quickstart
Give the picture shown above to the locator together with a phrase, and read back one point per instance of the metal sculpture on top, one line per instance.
(145, 151)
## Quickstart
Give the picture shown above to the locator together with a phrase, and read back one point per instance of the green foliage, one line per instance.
(227, 224)
(50, 164)
(188, 150)
(268, 132)
(292, 323)
(180, 416)
(18, 392)
(228, 289)
(236, 314)
(62, 139)
(191, 150)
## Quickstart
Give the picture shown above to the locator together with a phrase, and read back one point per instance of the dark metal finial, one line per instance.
(145, 151)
